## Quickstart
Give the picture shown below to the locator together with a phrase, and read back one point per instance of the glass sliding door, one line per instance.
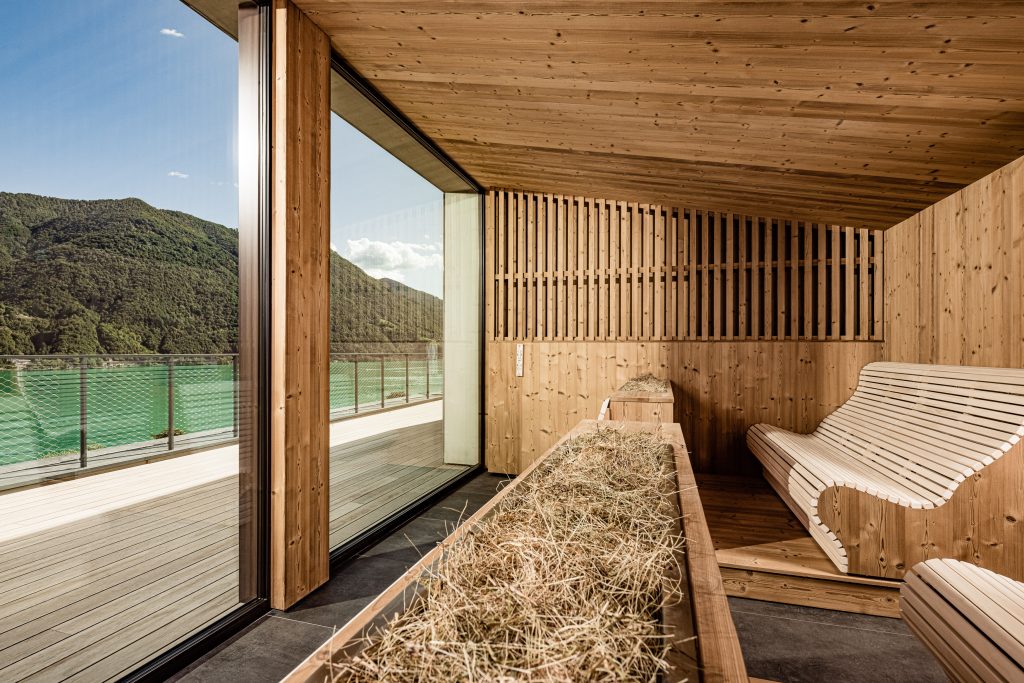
(130, 482)
(405, 332)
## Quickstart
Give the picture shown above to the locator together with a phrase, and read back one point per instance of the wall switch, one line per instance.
(519, 360)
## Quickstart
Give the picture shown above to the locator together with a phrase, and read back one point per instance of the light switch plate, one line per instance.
(519, 360)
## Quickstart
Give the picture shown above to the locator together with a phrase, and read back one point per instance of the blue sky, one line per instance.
(129, 98)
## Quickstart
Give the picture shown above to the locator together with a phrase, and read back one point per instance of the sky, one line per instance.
(126, 98)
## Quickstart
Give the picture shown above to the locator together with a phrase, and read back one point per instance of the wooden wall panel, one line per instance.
(300, 306)
(722, 387)
(648, 272)
(955, 277)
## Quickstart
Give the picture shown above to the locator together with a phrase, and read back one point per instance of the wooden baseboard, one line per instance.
(765, 553)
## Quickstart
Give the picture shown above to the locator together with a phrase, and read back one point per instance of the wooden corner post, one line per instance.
(300, 287)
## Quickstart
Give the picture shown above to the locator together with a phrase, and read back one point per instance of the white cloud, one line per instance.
(178, 174)
(393, 259)
(172, 33)
(395, 275)
(334, 247)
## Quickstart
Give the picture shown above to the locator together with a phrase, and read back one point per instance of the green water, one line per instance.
(40, 409)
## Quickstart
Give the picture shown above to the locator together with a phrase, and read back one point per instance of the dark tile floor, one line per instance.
(269, 649)
(793, 644)
(782, 643)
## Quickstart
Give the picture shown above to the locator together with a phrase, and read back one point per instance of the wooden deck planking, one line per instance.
(100, 573)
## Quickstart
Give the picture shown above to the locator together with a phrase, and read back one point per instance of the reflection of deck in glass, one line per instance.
(101, 572)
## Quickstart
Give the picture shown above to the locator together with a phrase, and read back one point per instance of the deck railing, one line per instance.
(61, 408)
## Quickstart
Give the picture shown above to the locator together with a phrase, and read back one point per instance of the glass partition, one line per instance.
(405, 312)
(125, 527)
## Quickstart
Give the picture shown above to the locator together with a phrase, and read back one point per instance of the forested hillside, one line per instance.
(120, 276)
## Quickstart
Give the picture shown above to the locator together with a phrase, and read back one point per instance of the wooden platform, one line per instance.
(766, 554)
(100, 573)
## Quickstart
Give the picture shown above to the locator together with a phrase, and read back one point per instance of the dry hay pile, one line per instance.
(646, 382)
(563, 582)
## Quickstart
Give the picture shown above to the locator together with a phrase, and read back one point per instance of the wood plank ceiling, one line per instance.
(853, 112)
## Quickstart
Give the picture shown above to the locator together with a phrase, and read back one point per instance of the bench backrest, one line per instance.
(932, 425)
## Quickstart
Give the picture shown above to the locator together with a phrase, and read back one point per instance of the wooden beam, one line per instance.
(300, 279)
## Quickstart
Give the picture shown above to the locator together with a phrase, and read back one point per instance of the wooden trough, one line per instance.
(704, 644)
(634, 405)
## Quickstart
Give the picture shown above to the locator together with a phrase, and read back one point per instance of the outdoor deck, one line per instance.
(102, 571)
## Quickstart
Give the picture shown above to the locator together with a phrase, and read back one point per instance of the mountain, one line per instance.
(120, 276)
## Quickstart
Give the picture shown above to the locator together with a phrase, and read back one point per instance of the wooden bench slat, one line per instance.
(969, 617)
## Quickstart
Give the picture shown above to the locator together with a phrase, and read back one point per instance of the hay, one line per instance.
(563, 582)
(646, 382)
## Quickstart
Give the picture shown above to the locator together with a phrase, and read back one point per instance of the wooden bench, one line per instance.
(971, 619)
(922, 461)
(705, 646)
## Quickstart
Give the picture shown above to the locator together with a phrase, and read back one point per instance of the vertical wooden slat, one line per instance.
(691, 236)
(626, 277)
(878, 290)
(581, 280)
(531, 250)
(540, 267)
(572, 270)
(613, 271)
(671, 288)
(490, 264)
(794, 280)
(863, 305)
(704, 317)
(757, 287)
(592, 247)
(769, 279)
(562, 285)
(743, 297)
(603, 234)
(730, 293)
(807, 234)
(500, 241)
(637, 266)
(716, 230)
(680, 255)
(520, 267)
(659, 271)
(834, 319)
(646, 261)
(822, 293)
(781, 291)
(850, 291)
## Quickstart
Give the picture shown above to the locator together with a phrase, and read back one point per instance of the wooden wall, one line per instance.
(722, 387)
(300, 306)
(598, 292)
(955, 277)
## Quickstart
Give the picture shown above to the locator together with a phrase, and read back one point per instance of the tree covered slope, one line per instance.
(120, 276)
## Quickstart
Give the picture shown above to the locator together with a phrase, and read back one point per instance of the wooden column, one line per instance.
(299, 345)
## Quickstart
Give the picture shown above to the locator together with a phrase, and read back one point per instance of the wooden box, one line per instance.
(705, 646)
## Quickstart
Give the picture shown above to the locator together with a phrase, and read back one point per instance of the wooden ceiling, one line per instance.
(859, 113)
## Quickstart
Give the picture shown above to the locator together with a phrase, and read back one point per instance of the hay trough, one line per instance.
(642, 399)
(575, 571)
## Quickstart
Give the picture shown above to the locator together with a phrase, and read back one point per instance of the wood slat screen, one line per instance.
(578, 268)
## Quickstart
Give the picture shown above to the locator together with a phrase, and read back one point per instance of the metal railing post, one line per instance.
(406, 378)
(83, 414)
(170, 403)
(427, 366)
(382, 380)
(355, 389)
(235, 395)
